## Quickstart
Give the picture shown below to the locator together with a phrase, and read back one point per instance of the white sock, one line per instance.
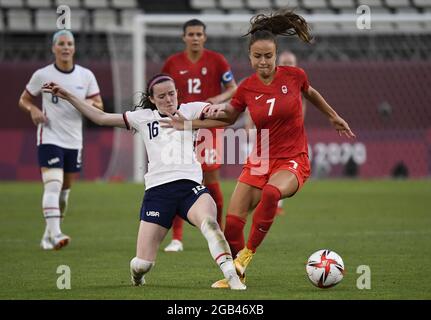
(64, 199)
(140, 265)
(219, 248)
(53, 181)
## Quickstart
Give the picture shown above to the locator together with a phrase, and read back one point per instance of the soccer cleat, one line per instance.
(46, 244)
(242, 260)
(137, 278)
(61, 240)
(225, 284)
(174, 246)
(235, 283)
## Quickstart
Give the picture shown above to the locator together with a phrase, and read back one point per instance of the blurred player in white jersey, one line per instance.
(174, 177)
(59, 131)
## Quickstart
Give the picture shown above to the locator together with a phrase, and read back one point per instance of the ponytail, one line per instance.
(282, 22)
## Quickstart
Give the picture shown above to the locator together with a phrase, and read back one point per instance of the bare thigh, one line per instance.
(203, 207)
(286, 182)
(244, 199)
(150, 236)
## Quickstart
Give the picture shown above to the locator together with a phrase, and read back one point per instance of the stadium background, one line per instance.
(377, 79)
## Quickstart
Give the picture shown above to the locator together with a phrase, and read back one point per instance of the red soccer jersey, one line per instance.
(278, 108)
(201, 80)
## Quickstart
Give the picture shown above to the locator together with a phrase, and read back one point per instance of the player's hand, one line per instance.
(175, 121)
(213, 100)
(215, 111)
(55, 90)
(342, 126)
(37, 116)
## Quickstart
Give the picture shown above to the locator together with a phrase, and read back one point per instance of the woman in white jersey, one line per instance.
(59, 131)
(173, 181)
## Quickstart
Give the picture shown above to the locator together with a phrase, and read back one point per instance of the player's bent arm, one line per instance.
(337, 122)
(319, 102)
(26, 103)
(96, 102)
(96, 115)
(230, 89)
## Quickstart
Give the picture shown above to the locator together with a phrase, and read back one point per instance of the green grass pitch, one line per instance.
(385, 225)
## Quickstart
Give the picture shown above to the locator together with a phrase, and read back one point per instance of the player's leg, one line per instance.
(51, 162)
(69, 178)
(72, 167)
(244, 198)
(176, 245)
(150, 236)
(212, 182)
(203, 214)
(282, 184)
(157, 213)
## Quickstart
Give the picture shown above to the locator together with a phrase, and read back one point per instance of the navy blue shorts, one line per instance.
(52, 156)
(163, 202)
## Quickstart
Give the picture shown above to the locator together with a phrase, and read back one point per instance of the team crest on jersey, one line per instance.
(284, 89)
(204, 71)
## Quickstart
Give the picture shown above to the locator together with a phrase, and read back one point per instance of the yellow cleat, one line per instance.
(223, 283)
(242, 260)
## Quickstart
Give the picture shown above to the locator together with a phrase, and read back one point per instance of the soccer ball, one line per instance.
(325, 268)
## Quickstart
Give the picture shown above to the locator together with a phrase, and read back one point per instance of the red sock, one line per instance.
(263, 216)
(215, 192)
(234, 233)
(177, 228)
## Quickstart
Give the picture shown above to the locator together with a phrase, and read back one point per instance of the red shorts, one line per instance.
(258, 175)
(209, 148)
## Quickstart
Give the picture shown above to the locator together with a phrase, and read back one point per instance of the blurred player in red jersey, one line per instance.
(273, 98)
(199, 74)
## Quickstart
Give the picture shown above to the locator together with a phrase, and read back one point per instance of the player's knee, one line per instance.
(141, 265)
(52, 180)
(271, 193)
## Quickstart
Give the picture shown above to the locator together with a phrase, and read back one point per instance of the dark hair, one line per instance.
(192, 23)
(281, 22)
(145, 102)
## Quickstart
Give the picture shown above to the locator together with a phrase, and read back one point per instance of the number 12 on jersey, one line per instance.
(194, 85)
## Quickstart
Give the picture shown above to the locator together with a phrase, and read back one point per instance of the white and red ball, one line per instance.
(325, 268)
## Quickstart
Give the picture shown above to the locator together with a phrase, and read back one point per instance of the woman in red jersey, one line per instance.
(273, 97)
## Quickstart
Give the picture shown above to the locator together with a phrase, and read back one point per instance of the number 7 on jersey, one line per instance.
(271, 105)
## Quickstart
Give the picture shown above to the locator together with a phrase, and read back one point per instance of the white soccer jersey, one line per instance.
(64, 127)
(170, 152)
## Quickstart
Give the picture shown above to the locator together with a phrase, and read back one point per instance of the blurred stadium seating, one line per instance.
(378, 80)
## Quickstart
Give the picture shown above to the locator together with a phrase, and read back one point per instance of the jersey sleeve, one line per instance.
(303, 80)
(238, 100)
(93, 88)
(193, 110)
(34, 86)
(134, 119)
(225, 70)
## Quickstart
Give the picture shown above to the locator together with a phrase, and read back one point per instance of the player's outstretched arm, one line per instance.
(96, 115)
(337, 122)
(214, 116)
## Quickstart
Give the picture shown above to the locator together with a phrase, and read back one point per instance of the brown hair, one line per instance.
(145, 102)
(281, 22)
